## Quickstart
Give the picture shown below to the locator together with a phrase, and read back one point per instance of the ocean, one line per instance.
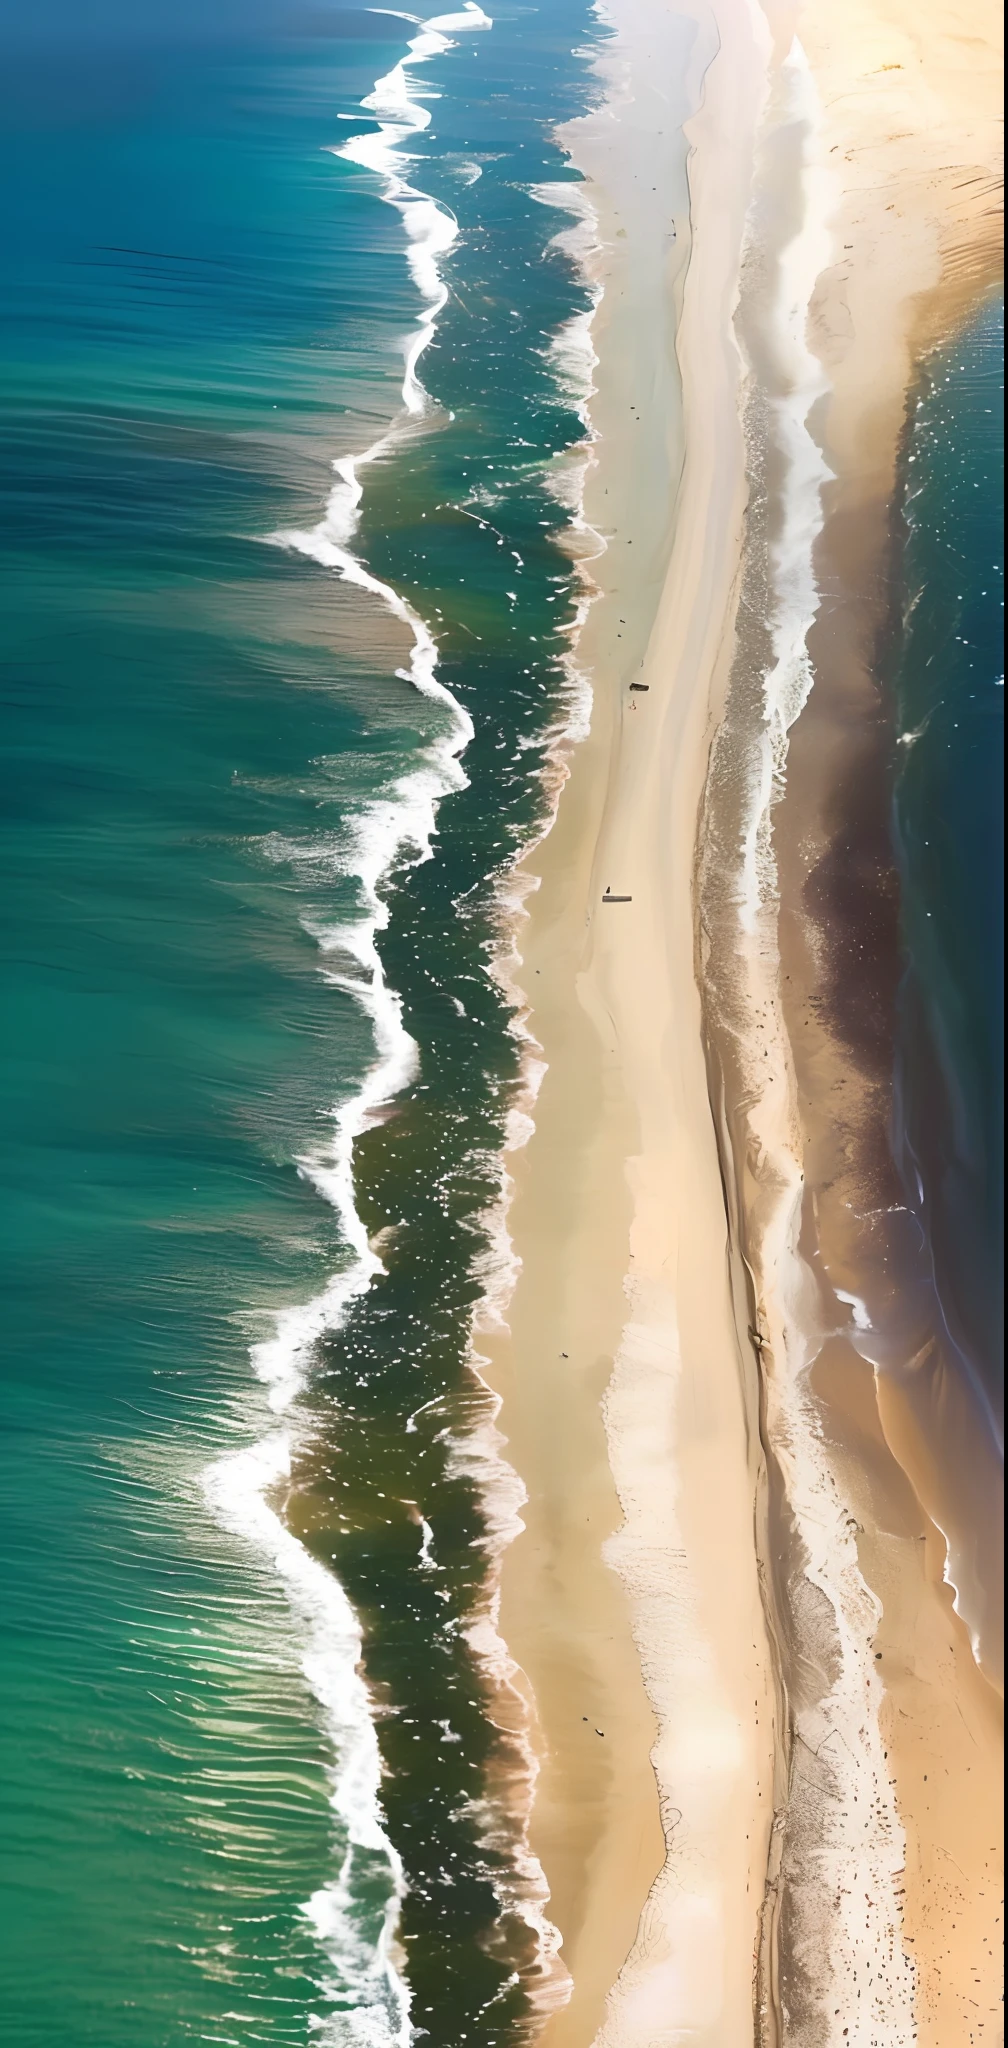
(291, 360)
(948, 811)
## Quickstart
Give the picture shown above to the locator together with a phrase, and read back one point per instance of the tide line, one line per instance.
(367, 1984)
(851, 1888)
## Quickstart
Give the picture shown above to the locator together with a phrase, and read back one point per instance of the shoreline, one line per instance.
(602, 1410)
(764, 1574)
(249, 1490)
(909, 107)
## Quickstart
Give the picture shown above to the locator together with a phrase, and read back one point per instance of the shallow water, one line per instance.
(206, 736)
(949, 821)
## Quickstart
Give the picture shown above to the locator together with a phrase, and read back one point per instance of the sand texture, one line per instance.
(629, 1406)
(905, 143)
(769, 1765)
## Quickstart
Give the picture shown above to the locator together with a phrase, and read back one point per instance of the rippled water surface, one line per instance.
(211, 742)
(950, 828)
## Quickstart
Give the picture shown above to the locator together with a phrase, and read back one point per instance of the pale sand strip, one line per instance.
(907, 129)
(622, 1175)
(913, 131)
(625, 1102)
(912, 97)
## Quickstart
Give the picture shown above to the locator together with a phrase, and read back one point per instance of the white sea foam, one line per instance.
(788, 682)
(571, 352)
(397, 825)
(850, 1895)
(400, 825)
(363, 1966)
(479, 1453)
(858, 1308)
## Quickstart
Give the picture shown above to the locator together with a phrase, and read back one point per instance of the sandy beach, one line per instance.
(910, 143)
(768, 1763)
(633, 1601)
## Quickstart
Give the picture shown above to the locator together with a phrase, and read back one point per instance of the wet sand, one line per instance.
(911, 104)
(892, 1854)
(768, 1761)
(633, 1600)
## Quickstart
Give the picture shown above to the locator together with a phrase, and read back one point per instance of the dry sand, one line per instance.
(891, 1849)
(726, 1568)
(911, 133)
(629, 1405)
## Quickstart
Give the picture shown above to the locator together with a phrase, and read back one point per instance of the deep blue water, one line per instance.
(949, 811)
(204, 307)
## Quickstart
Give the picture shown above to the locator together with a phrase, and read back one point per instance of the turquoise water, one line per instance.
(206, 737)
(949, 817)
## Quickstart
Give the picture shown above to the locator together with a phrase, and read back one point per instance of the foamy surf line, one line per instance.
(367, 1982)
(858, 1855)
(479, 1453)
(399, 825)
